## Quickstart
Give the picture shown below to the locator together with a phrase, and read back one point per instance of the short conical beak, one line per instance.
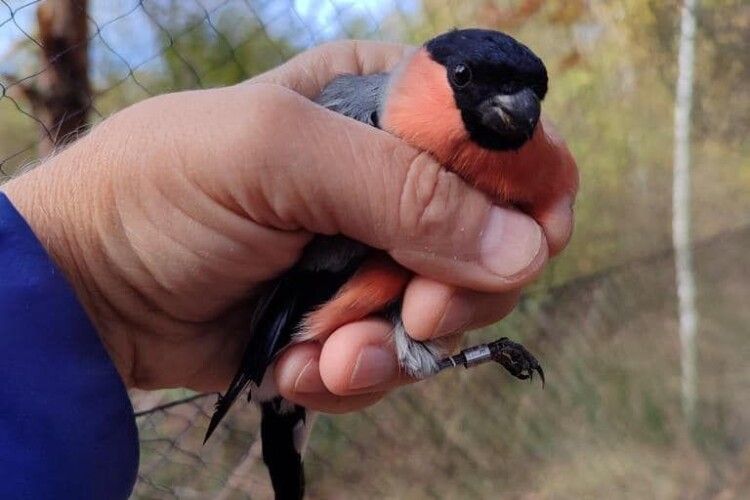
(512, 115)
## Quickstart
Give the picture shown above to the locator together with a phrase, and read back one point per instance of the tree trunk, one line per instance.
(61, 98)
(681, 212)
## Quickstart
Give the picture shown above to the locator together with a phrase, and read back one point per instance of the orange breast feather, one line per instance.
(376, 284)
(420, 109)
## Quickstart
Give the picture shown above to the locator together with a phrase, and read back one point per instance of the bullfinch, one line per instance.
(472, 99)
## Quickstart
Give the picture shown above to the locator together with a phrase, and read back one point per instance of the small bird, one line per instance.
(472, 99)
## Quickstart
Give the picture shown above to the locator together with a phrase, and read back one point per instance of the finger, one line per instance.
(328, 174)
(359, 358)
(310, 71)
(433, 310)
(557, 221)
(298, 379)
(555, 211)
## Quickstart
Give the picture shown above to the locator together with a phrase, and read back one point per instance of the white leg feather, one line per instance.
(302, 432)
(418, 359)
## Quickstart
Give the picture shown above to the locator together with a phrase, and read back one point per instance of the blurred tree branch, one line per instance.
(508, 18)
(60, 97)
(684, 272)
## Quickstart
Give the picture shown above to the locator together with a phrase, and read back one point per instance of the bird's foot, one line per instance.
(512, 356)
(424, 359)
(515, 358)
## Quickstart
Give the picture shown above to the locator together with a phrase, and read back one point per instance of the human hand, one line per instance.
(168, 215)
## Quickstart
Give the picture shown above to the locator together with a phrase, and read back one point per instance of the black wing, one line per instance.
(278, 314)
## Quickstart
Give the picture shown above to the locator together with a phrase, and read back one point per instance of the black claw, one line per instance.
(541, 374)
(516, 359)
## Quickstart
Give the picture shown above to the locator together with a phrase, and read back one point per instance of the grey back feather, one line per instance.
(356, 96)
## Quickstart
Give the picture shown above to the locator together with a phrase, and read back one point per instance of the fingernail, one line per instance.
(309, 381)
(511, 241)
(456, 317)
(374, 366)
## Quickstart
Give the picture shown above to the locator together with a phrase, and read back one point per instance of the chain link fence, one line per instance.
(608, 421)
(130, 50)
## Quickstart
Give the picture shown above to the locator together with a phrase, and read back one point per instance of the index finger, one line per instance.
(309, 72)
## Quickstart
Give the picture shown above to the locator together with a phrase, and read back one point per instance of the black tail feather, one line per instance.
(224, 403)
(280, 453)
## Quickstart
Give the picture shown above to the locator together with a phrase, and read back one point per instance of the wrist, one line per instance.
(51, 201)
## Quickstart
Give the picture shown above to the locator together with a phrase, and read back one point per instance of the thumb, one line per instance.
(326, 173)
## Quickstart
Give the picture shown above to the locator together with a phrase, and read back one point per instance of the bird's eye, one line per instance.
(461, 75)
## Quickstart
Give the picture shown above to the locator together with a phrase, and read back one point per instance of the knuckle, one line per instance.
(263, 101)
(336, 51)
(328, 59)
(431, 197)
(335, 47)
(266, 106)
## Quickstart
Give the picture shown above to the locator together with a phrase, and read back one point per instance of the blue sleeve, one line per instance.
(67, 428)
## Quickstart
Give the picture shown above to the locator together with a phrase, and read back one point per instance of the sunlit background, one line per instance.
(603, 319)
